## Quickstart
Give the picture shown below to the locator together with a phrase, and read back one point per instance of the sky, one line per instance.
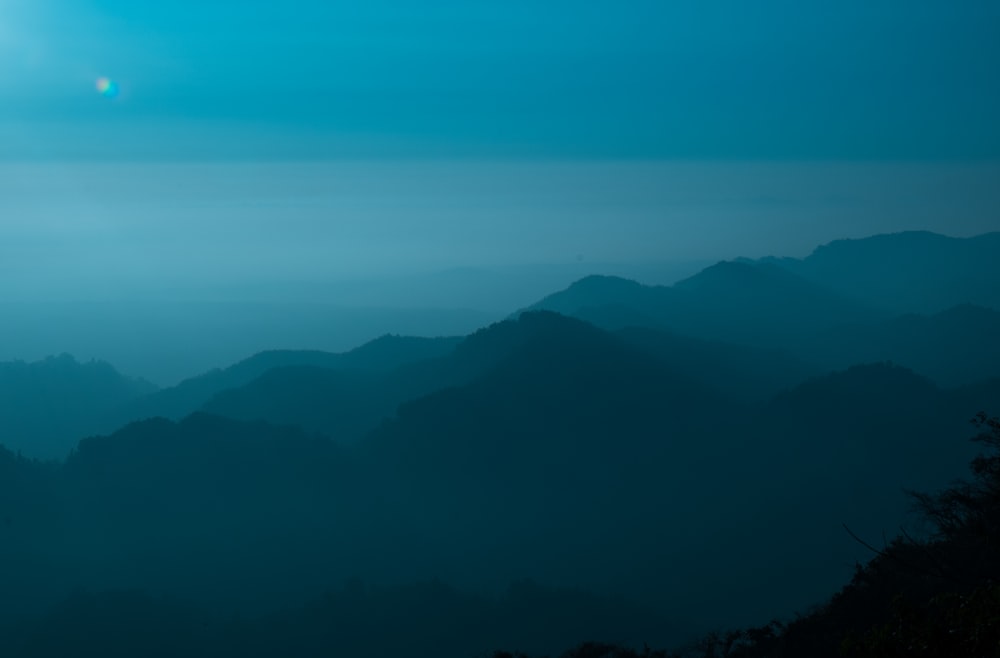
(277, 230)
(680, 79)
(197, 148)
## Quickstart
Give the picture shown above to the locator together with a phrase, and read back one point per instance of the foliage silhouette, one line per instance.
(936, 596)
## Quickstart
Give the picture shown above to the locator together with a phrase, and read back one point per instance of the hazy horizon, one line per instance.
(128, 262)
(264, 231)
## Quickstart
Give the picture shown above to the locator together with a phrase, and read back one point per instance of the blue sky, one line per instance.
(469, 153)
(600, 104)
(707, 79)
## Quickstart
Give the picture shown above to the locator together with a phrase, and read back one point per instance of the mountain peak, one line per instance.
(886, 243)
(733, 272)
(508, 335)
(604, 283)
(907, 272)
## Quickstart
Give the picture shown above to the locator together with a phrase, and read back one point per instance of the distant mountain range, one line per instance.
(910, 272)
(932, 304)
(47, 406)
(748, 328)
(563, 453)
(705, 438)
(360, 364)
(758, 304)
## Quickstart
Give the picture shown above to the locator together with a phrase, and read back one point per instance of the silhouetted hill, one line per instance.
(883, 424)
(573, 456)
(46, 406)
(26, 493)
(167, 341)
(766, 306)
(933, 594)
(745, 373)
(345, 404)
(390, 351)
(909, 272)
(248, 516)
(564, 436)
(954, 347)
(600, 291)
(871, 419)
(427, 620)
(741, 302)
(840, 449)
(543, 447)
(381, 354)
(762, 304)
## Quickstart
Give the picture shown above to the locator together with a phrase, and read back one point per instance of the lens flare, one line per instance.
(107, 87)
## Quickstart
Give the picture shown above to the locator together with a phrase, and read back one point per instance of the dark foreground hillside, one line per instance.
(423, 620)
(934, 595)
(713, 455)
(930, 595)
(632, 498)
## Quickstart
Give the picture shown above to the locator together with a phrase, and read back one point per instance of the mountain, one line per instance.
(743, 373)
(908, 272)
(582, 458)
(762, 304)
(340, 404)
(381, 354)
(870, 417)
(429, 619)
(47, 405)
(598, 292)
(775, 305)
(955, 347)
(848, 444)
(695, 442)
(533, 463)
(244, 516)
(346, 404)
(559, 452)
(751, 303)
